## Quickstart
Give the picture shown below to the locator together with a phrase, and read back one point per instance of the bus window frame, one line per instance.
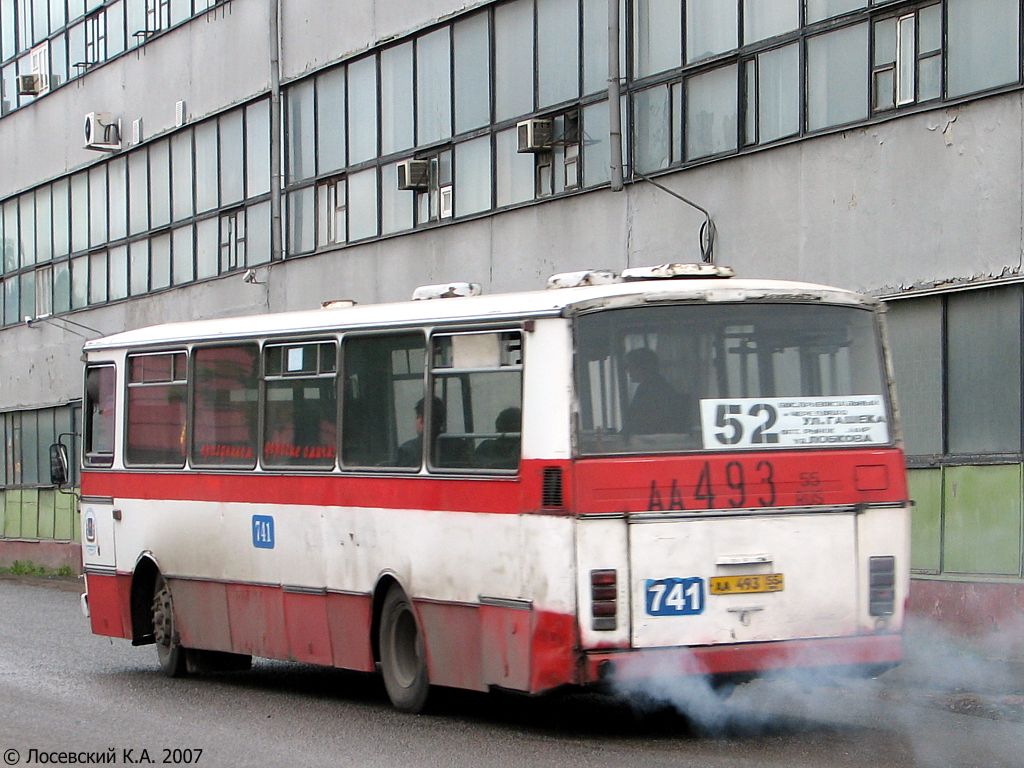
(458, 373)
(129, 355)
(421, 332)
(190, 417)
(267, 344)
(107, 460)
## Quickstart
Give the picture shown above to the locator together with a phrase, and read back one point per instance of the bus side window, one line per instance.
(99, 416)
(300, 411)
(383, 386)
(477, 379)
(157, 385)
(224, 411)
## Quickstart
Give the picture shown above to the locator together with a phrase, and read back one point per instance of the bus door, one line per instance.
(99, 426)
(98, 547)
(700, 579)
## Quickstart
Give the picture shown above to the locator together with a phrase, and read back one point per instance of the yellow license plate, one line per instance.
(744, 585)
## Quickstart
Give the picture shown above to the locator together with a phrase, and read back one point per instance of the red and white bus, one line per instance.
(666, 469)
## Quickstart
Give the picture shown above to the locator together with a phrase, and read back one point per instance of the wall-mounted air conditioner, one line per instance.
(414, 174)
(101, 132)
(31, 84)
(535, 135)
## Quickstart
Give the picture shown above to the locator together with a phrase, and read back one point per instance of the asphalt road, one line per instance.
(63, 689)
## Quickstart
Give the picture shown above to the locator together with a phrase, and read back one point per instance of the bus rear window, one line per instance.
(728, 377)
(156, 409)
(226, 396)
(99, 416)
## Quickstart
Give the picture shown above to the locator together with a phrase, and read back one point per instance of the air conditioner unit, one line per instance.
(101, 132)
(32, 84)
(414, 174)
(535, 135)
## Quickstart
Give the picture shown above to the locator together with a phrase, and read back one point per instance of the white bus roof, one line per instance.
(472, 309)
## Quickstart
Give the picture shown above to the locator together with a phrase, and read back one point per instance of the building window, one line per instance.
(396, 204)
(331, 212)
(767, 18)
(559, 169)
(772, 107)
(396, 107)
(651, 136)
(837, 91)
(473, 176)
(433, 87)
(983, 41)
(711, 27)
(907, 59)
(232, 241)
(362, 205)
(818, 10)
(44, 292)
(513, 59)
(472, 73)
(711, 113)
(158, 15)
(96, 39)
(558, 51)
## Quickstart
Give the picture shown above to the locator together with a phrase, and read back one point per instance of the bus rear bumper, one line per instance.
(862, 654)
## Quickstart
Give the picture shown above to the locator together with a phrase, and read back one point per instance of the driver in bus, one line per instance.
(656, 407)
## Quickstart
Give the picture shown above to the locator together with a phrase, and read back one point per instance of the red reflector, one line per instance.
(871, 477)
(604, 608)
(603, 578)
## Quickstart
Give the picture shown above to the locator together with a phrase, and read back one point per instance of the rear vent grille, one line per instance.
(551, 493)
(882, 587)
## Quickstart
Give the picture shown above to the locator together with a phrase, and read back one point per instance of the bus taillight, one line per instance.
(882, 591)
(604, 591)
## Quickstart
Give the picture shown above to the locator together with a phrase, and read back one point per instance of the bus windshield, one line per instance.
(671, 378)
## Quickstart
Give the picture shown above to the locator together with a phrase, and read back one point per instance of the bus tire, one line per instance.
(170, 653)
(403, 659)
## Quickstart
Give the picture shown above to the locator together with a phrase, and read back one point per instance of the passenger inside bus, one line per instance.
(656, 407)
(411, 451)
(502, 452)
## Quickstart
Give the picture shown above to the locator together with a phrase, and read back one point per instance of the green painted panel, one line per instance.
(983, 520)
(12, 518)
(926, 519)
(64, 516)
(30, 514)
(46, 514)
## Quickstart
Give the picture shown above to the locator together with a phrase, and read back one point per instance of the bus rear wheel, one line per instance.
(402, 657)
(170, 653)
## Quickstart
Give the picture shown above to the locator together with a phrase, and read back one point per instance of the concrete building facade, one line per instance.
(246, 156)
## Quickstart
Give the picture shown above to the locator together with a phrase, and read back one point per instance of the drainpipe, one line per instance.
(614, 113)
(276, 248)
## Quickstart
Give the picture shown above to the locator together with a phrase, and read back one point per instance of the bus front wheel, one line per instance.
(170, 653)
(402, 658)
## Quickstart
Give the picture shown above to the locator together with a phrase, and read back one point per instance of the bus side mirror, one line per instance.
(60, 467)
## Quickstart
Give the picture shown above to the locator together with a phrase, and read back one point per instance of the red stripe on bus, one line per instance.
(498, 495)
(597, 485)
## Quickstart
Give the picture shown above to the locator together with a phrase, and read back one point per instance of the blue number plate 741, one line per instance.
(674, 596)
